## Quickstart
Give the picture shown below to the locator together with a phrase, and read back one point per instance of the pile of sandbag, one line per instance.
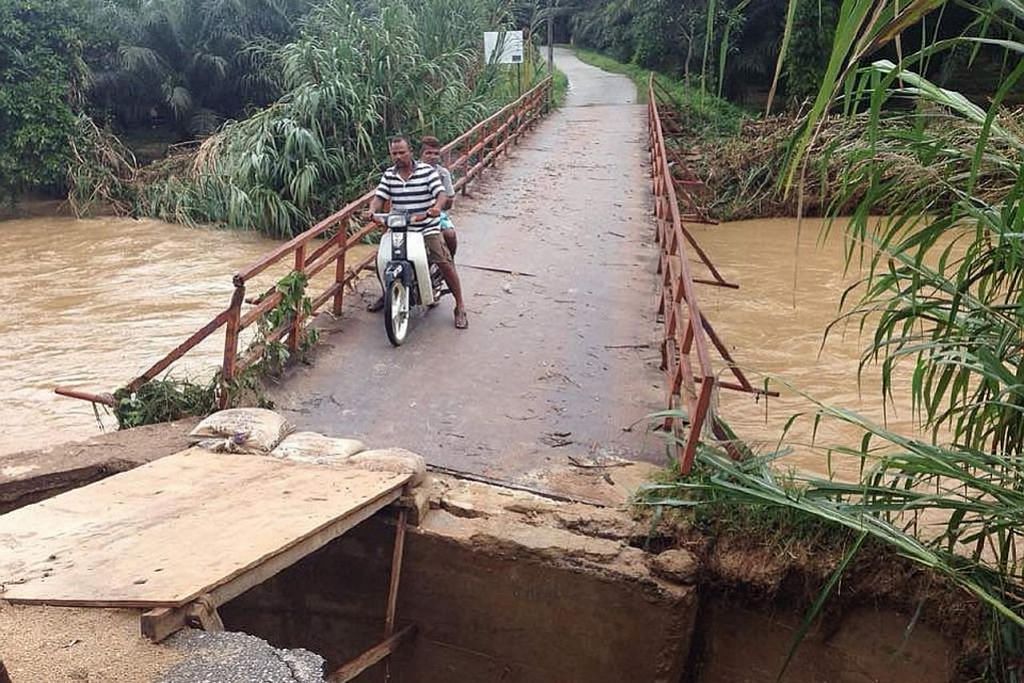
(242, 430)
(264, 432)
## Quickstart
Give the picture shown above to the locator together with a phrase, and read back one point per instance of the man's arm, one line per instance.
(437, 190)
(377, 203)
(439, 204)
(449, 188)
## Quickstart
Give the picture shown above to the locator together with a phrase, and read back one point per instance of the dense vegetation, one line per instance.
(352, 78)
(282, 106)
(41, 77)
(732, 48)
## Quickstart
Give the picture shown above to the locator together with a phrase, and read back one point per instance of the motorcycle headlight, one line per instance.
(397, 221)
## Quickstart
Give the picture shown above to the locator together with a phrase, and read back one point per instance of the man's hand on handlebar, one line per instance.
(372, 216)
(432, 212)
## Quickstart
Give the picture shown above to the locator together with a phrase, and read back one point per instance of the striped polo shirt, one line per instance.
(417, 194)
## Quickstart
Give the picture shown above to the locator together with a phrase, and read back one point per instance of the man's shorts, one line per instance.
(437, 250)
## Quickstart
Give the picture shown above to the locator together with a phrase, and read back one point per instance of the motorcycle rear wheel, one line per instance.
(396, 312)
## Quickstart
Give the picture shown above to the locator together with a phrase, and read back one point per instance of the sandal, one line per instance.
(461, 321)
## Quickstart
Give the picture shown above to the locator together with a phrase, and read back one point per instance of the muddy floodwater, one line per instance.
(92, 303)
(775, 328)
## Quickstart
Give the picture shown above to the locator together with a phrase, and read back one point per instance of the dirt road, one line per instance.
(556, 364)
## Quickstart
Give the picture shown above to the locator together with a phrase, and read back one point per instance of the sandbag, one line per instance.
(396, 460)
(316, 448)
(244, 430)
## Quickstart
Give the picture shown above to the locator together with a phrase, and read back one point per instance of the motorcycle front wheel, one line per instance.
(396, 312)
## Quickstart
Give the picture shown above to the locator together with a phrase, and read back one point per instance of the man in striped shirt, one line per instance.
(413, 186)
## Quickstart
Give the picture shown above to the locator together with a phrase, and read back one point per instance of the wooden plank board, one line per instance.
(376, 653)
(163, 534)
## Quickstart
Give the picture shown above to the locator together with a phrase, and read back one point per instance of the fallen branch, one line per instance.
(506, 271)
(593, 464)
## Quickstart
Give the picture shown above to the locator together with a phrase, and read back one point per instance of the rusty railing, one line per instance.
(474, 150)
(685, 353)
(685, 337)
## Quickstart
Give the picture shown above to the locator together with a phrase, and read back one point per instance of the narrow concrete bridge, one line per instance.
(584, 317)
(560, 361)
(579, 303)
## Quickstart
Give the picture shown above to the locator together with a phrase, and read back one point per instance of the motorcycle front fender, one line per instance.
(397, 270)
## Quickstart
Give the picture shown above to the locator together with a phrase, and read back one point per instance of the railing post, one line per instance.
(508, 131)
(231, 330)
(296, 328)
(518, 119)
(696, 427)
(488, 146)
(339, 270)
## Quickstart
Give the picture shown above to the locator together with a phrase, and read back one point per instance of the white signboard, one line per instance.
(503, 47)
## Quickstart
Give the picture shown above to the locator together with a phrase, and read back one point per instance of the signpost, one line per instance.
(505, 47)
(551, 39)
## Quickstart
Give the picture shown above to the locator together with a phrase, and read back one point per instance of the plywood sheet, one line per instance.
(164, 533)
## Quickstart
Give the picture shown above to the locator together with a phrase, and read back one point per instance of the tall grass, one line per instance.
(360, 73)
(942, 288)
(941, 292)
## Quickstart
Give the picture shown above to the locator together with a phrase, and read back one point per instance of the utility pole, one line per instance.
(551, 37)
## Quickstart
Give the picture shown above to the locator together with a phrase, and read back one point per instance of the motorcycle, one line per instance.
(407, 277)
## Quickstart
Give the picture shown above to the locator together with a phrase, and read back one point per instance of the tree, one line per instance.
(41, 76)
(196, 62)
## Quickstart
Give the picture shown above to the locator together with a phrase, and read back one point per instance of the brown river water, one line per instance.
(775, 329)
(92, 303)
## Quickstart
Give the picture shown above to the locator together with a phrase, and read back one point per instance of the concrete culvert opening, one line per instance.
(485, 607)
(503, 586)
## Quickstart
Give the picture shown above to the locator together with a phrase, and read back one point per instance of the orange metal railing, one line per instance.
(685, 357)
(473, 151)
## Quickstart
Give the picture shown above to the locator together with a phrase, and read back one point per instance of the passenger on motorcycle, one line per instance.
(430, 153)
(416, 187)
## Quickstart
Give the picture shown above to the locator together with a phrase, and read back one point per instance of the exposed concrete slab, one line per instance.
(502, 585)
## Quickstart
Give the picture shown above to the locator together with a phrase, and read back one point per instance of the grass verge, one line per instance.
(710, 115)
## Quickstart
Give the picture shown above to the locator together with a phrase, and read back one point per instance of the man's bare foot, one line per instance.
(377, 305)
(461, 321)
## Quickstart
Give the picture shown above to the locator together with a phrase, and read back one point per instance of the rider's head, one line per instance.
(430, 150)
(401, 151)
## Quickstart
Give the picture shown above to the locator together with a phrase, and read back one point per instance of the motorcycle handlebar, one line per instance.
(382, 218)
